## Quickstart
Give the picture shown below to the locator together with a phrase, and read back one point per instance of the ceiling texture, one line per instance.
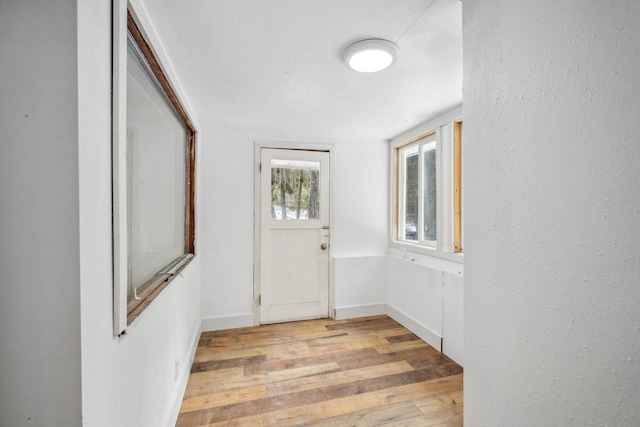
(276, 65)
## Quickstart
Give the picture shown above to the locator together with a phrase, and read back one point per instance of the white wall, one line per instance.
(361, 199)
(360, 286)
(360, 228)
(226, 246)
(59, 361)
(55, 228)
(40, 281)
(128, 381)
(552, 319)
(227, 174)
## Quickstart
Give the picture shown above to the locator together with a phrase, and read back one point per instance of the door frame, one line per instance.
(258, 146)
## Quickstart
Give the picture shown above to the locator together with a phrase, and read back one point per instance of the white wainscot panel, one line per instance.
(360, 286)
(414, 298)
(452, 317)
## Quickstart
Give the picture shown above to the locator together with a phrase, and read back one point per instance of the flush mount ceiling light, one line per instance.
(369, 56)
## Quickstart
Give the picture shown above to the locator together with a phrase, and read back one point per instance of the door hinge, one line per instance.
(259, 299)
(259, 167)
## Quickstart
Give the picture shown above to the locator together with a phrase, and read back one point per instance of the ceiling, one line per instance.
(276, 65)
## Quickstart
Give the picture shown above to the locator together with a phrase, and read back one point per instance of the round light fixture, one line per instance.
(369, 56)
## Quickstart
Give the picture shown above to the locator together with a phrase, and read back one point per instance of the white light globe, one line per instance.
(369, 56)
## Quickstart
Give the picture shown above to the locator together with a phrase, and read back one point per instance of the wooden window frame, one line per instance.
(449, 177)
(125, 312)
(457, 187)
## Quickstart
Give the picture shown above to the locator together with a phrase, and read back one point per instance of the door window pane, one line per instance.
(411, 175)
(295, 189)
(429, 190)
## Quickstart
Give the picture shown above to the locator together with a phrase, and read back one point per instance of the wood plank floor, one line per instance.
(358, 372)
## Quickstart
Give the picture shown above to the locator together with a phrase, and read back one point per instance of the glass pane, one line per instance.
(156, 172)
(295, 189)
(411, 194)
(429, 188)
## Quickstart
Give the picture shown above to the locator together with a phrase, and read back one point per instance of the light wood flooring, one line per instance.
(358, 372)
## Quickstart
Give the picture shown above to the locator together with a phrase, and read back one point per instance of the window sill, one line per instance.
(159, 283)
(426, 250)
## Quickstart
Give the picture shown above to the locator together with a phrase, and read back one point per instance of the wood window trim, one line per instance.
(155, 285)
(457, 187)
(157, 70)
(146, 50)
(154, 288)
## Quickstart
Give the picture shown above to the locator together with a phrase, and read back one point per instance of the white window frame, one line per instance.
(443, 127)
(427, 139)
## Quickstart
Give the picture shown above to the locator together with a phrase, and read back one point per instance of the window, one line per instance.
(153, 164)
(418, 191)
(295, 189)
(427, 188)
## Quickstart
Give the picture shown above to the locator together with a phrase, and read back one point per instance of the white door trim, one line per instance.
(258, 146)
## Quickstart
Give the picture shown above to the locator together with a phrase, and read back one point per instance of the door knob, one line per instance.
(324, 246)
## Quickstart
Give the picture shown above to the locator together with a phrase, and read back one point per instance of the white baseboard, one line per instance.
(360, 311)
(414, 326)
(227, 322)
(184, 379)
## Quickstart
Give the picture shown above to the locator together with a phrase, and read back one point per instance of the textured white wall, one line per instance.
(128, 382)
(552, 304)
(39, 253)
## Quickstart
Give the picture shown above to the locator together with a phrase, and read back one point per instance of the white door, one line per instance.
(294, 235)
